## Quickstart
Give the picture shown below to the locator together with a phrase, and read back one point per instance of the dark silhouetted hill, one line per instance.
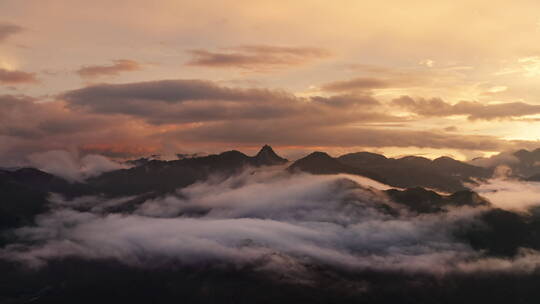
(443, 173)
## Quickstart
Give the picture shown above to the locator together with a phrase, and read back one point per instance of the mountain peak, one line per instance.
(361, 159)
(445, 160)
(268, 157)
(318, 155)
(266, 149)
(319, 163)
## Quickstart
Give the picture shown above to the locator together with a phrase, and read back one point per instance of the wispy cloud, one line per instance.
(473, 110)
(118, 66)
(260, 58)
(8, 29)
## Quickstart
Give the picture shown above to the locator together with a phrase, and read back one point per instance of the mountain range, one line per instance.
(443, 173)
(153, 177)
(423, 189)
(24, 191)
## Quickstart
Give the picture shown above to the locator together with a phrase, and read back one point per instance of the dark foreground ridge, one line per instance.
(84, 281)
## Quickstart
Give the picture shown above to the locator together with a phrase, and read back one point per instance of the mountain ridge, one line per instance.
(443, 173)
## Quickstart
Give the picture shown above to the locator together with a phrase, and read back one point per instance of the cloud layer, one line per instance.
(375, 52)
(138, 118)
(328, 220)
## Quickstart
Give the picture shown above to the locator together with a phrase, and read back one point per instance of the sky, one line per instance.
(133, 78)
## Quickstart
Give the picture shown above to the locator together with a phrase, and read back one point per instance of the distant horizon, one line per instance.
(251, 151)
(134, 78)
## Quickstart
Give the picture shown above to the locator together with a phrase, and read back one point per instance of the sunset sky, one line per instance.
(131, 78)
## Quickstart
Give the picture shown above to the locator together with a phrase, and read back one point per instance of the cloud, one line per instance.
(331, 221)
(238, 115)
(260, 58)
(373, 77)
(335, 133)
(10, 77)
(527, 66)
(72, 167)
(361, 83)
(29, 126)
(472, 109)
(526, 261)
(184, 101)
(346, 100)
(503, 158)
(8, 29)
(320, 219)
(510, 194)
(26, 117)
(143, 118)
(171, 91)
(118, 66)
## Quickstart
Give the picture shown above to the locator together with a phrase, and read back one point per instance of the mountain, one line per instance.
(421, 200)
(267, 157)
(25, 191)
(166, 176)
(443, 173)
(457, 168)
(528, 164)
(523, 163)
(23, 194)
(534, 178)
(42, 181)
(402, 219)
(496, 232)
(322, 163)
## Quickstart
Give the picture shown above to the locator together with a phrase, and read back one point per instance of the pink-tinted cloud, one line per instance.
(12, 77)
(7, 30)
(257, 57)
(472, 109)
(118, 66)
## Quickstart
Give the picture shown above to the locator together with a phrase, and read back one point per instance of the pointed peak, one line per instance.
(267, 156)
(266, 148)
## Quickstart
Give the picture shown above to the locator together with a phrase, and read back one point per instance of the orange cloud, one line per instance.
(8, 29)
(118, 66)
(473, 110)
(16, 77)
(361, 83)
(257, 57)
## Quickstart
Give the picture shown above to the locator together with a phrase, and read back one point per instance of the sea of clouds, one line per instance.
(276, 221)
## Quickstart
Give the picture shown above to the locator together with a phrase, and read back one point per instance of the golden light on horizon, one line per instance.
(469, 69)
